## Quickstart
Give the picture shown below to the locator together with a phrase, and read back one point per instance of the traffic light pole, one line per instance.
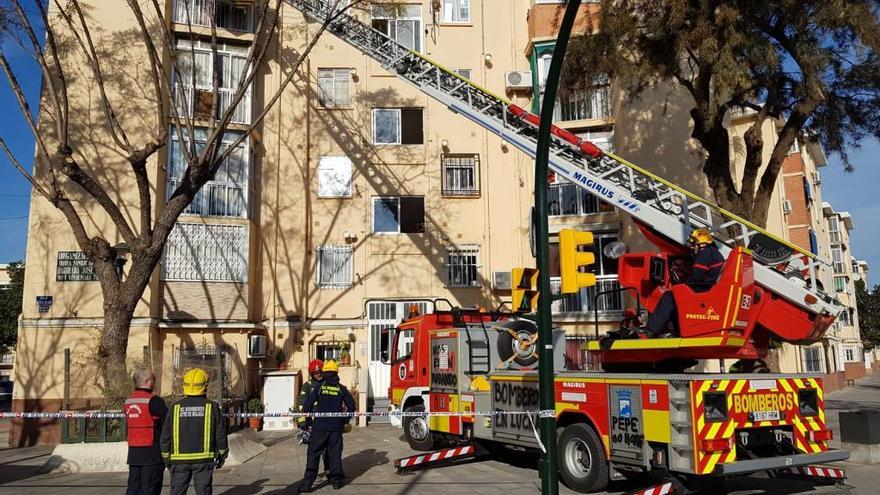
(548, 467)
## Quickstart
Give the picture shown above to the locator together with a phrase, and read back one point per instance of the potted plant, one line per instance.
(345, 354)
(254, 406)
(281, 358)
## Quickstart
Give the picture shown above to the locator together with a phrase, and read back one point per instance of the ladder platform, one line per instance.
(661, 349)
(665, 343)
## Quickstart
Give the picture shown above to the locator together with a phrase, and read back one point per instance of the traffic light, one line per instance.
(572, 259)
(524, 289)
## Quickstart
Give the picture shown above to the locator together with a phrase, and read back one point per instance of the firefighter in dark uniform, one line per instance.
(330, 397)
(194, 437)
(316, 374)
(708, 262)
(144, 415)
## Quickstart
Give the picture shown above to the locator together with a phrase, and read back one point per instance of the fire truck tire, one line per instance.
(509, 347)
(582, 464)
(417, 431)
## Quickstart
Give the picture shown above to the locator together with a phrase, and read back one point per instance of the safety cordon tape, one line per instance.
(399, 414)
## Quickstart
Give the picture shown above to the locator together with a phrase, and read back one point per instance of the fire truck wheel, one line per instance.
(415, 428)
(519, 349)
(582, 464)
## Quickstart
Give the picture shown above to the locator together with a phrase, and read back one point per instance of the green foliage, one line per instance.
(10, 305)
(812, 63)
(255, 405)
(869, 313)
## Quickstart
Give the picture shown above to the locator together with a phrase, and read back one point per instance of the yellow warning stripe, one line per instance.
(713, 431)
(727, 307)
(736, 306)
(673, 343)
(786, 386)
(713, 460)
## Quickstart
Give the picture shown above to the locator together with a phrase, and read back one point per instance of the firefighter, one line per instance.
(194, 437)
(144, 415)
(330, 397)
(315, 377)
(708, 262)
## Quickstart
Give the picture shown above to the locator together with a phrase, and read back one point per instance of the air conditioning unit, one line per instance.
(518, 79)
(817, 179)
(786, 206)
(501, 280)
(257, 346)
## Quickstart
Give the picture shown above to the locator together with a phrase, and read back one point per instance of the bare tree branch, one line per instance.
(27, 175)
(24, 107)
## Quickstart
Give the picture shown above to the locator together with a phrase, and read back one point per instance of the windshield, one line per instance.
(403, 343)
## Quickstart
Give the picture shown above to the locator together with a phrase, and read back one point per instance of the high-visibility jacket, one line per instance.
(194, 432)
(139, 422)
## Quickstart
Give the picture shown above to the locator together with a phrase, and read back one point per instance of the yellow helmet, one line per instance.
(330, 365)
(195, 382)
(701, 236)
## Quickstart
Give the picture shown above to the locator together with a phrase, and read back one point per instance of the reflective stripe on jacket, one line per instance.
(194, 432)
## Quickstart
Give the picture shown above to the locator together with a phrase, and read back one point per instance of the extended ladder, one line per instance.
(667, 208)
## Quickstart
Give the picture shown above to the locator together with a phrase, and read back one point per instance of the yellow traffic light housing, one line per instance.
(524, 289)
(573, 262)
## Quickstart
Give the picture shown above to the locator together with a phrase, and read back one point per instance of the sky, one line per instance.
(857, 192)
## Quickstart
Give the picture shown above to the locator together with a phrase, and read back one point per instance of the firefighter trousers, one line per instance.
(663, 313)
(201, 475)
(145, 480)
(328, 443)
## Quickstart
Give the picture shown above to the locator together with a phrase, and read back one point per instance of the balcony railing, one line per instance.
(582, 302)
(205, 12)
(835, 237)
(583, 104)
(200, 104)
(7, 359)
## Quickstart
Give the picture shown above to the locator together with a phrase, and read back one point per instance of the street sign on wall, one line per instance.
(74, 266)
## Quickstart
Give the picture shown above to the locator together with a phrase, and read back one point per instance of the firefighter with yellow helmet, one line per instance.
(193, 441)
(330, 397)
(708, 262)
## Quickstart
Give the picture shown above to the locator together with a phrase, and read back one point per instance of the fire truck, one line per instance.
(639, 410)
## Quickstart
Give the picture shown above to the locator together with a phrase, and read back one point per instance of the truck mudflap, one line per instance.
(780, 462)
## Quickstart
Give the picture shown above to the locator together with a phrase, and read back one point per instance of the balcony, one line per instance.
(583, 104)
(201, 103)
(222, 13)
(582, 302)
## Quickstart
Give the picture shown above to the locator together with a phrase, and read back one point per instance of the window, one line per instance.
(404, 215)
(839, 284)
(465, 73)
(398, 126)
(199, 100)
(227, 15)
(565, 198)
(401, 23)
(589, 101)
(335, 268)
(225, 195)
(334, 177)
(814, 242)
(208, 253)
(327, 351)
(837, 260)
(849, 354)
(461, 174)
(5, 376)
(333, 87)
(834, 228)
(812, 360)
(606, 280)
(456, 10)
(462, 266)
(845, 318)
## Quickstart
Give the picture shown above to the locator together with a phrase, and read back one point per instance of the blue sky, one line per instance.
(856, 192)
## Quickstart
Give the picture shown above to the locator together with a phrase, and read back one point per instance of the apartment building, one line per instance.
(358, 197)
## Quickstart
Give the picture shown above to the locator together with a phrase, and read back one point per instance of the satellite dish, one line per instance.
(615, 250)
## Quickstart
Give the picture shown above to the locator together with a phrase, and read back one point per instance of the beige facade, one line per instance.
(360, 194)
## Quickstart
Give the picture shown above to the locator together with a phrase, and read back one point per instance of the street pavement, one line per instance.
(368, 459)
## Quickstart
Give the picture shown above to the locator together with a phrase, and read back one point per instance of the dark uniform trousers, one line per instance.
(200, 474)
(318, 442)
(145, 480)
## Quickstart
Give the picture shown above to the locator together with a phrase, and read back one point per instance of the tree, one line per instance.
(70, 172)
(811, 63)
(10, 305)
(868, 304)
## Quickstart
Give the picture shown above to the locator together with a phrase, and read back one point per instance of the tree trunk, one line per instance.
(112, 351)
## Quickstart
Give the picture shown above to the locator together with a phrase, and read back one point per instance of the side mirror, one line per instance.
(658, 270)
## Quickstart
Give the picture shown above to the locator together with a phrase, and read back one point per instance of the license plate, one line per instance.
(766, 416)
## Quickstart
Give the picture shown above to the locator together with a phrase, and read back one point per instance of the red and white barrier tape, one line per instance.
(399, 414)
(436, 456)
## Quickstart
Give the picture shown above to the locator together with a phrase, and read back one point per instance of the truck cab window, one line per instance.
(403, 343)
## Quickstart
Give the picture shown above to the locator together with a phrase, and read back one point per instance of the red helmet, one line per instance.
(315, 366)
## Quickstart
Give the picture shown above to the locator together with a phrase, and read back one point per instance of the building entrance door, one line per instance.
(385, 315)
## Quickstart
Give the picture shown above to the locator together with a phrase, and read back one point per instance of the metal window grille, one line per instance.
(839, 284)
(333, 87)
(401, 23)
(226, 194)
(456, 10)
(462, 266)
(461, 174)
(335, 267)
(834, 229)
(812, 358)
(209, 253)
(197, 64)
(215, 360)
(583, 300)
(568, 199)
(837, 261)
(226, 15)
(7, 358)
(582, 104)
(382, 315)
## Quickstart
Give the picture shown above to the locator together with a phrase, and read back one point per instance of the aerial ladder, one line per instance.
(785, 304)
